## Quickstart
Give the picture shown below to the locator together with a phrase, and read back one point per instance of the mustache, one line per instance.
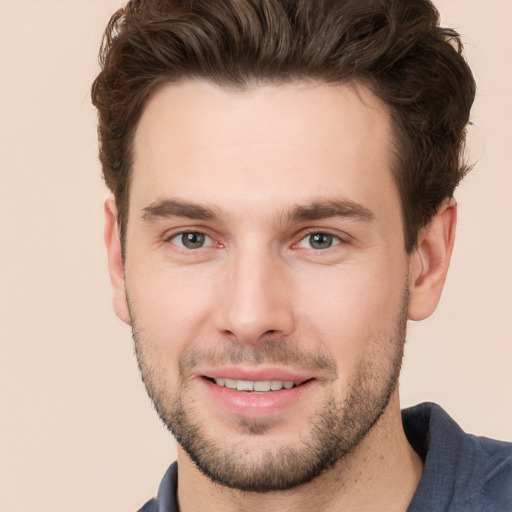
(279, 352)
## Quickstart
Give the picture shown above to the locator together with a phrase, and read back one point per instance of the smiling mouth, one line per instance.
(258, 386)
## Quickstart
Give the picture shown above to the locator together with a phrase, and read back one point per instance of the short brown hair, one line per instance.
(395, 47)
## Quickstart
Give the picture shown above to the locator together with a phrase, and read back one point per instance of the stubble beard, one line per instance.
(336, 428)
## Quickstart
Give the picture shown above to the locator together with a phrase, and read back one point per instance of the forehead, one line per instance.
(262, 146)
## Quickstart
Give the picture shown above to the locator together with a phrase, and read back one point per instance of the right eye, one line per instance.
(319, 241)
(191, 240)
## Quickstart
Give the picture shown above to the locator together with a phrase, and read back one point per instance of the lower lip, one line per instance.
(256, 404)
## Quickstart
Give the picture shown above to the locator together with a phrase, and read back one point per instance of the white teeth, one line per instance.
(229, 383)
(262, 385)
(276, 385)
(244, 385)
(259, 385)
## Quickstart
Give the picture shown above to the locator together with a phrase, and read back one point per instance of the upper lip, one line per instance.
(255, 374)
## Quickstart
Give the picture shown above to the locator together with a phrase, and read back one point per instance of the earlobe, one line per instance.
(115, 261)
(428, 264)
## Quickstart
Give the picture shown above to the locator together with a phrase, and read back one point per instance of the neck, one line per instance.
(381, 473)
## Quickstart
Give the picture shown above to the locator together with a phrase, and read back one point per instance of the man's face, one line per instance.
(265, 252)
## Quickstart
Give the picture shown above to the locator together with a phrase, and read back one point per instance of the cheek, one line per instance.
(171, 307)
(350, 308)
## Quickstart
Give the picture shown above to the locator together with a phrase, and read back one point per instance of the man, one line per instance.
(283, 177)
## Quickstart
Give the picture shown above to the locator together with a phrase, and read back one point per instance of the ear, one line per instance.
(428, 264)
(115, 261)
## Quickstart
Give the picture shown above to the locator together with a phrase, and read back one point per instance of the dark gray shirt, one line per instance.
(463, 473)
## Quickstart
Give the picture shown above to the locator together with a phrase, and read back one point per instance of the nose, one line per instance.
(255, 301)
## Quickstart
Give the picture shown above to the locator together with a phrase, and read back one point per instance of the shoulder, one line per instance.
(462, 471)
(484, 474)
(495, 458)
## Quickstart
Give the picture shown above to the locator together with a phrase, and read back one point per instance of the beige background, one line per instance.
(77, 431)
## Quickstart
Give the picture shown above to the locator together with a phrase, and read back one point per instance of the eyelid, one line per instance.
(172, 232)
(340, 238)
(169, 237)
(211, 241)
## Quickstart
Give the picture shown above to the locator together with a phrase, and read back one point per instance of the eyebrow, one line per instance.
(330, 208)
(165, 208)
(316, 210)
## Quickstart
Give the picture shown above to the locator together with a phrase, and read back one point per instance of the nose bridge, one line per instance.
(254, 301)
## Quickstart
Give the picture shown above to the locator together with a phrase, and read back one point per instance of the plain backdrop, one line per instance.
(77, 431)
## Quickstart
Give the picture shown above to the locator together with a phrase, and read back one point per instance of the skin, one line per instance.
(255, 165)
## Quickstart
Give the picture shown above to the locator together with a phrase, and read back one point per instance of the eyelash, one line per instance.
(181, 234)
(335, 240)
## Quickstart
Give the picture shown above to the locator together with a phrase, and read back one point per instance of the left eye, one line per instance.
(319, 241)
(191, 240)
